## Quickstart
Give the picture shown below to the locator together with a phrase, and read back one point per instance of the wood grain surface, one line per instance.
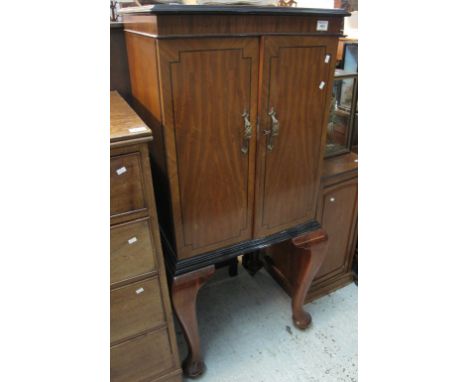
(207, 85)
(141, 358)
(136, 308)
(131, 251)
(123, 119)
(338, 215)
(288, 176)
(126, 184)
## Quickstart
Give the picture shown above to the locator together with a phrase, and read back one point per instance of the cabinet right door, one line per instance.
(295, 90)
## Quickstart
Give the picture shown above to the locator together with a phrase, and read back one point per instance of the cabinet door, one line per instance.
(295, 90)
(209, 95)
(338, 216)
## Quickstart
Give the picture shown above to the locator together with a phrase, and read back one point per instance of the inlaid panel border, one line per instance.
(178, 61)
(270, 63)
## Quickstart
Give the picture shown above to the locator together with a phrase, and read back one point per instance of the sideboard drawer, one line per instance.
(126, 185)
(131, 251)
(141, 358)
(135, 308)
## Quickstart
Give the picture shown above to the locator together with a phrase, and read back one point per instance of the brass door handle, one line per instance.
(247, 133)
(274, 132)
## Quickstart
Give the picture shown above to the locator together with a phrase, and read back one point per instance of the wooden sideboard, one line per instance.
(237, 99)
(143, 343)
(337, 212)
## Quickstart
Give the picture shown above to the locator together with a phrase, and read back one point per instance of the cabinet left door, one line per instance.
(209, 105)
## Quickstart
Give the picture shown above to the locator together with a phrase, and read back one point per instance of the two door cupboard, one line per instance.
(237, 98)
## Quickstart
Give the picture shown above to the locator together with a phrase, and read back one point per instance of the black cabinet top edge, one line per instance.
(231, 10)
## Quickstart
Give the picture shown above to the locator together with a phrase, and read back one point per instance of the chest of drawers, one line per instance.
(143, 344)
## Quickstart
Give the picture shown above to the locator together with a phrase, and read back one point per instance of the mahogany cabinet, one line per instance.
(142, 336)
(210, 89)
(237, 100)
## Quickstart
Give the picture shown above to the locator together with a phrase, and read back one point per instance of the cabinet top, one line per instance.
(179, 9)
(125, 124)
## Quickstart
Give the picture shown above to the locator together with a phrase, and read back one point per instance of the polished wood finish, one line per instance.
(135, 308)
(124, 121)
(293, 69)
(306, 254)
(143, 65)
(219, 77)
(184, 298)
(206, 215)
(141, 358)
(339, 169)
(126, 184)
(131, 251)
(202, 21)
(143, 343)
(312, 249)
(179, 267)
(339, 218)
(202, 79)
(178, 26)
(337, 212)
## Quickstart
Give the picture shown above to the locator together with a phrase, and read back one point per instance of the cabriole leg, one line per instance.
(294, 264)
(310, 250)
(184, 300)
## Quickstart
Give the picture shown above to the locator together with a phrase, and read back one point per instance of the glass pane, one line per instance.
(339, 122)
(350, 63)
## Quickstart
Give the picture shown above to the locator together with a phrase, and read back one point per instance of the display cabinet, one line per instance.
(342, 110)
(349, 62)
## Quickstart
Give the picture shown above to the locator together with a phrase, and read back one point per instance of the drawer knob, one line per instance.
(355, 160)
(322, 85)
(139, 290)
(332, 199)
(327, 58)
(121, 170)
(132, 240)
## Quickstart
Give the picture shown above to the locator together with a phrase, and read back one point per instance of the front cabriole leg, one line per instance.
(184, 300)
(294, 264)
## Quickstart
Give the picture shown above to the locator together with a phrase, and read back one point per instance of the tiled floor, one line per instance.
(247, 333)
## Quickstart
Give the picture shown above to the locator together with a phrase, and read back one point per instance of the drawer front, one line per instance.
(131, 251)
(126, 184)
(136, 308)
(141, 358)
